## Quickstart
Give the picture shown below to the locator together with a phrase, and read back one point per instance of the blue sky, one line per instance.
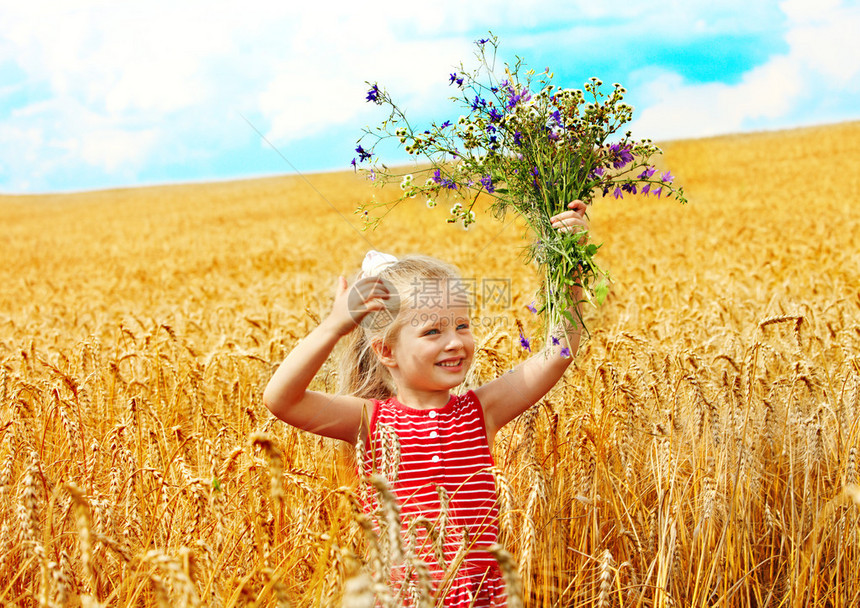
(102, 94)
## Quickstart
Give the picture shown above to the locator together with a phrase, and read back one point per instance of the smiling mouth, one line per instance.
(456, 363)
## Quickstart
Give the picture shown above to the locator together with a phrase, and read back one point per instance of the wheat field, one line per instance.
(701, 451)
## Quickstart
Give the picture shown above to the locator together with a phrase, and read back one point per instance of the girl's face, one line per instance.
(434, 347)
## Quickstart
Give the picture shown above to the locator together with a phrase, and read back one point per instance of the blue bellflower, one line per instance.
(524, 342)
(620, 156)
(487, 183)
(373, 94)
(647, 173)
(363, 154)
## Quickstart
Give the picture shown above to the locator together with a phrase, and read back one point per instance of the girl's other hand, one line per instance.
(353, 304)
(573, 220)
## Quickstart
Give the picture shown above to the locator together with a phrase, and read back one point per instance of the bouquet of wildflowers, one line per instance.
(532, 147)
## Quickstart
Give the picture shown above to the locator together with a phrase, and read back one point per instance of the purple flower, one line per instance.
(620, 156)
(624, 158)
(524, 342)
(363, 154)
(648, 172)
(646, 188)
(629, 187)
(515, 97)
(373, 94)
(556, 116)
(478, 103)
(617, 193)
(667, 177)
(531, 308)
(518, 138)
(443, 181)
(555, 341)
(454, 78)
(487, 182)
(495, 115)
(445, 124)
(657, 192)
(565, 352)
(483, 41)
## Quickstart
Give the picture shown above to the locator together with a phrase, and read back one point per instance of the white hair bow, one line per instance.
(375, 262)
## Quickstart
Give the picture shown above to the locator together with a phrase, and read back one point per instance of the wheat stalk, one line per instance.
(391, 522)
(83, 522)
(605, 578)
(275, 462)
(511, 576)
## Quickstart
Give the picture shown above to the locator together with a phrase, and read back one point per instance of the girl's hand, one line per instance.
(574, 220)
(353, 304)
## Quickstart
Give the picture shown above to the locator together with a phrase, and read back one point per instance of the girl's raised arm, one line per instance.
(508, 396)
(287, 395)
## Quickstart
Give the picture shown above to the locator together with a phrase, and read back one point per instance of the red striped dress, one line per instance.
(442, 448)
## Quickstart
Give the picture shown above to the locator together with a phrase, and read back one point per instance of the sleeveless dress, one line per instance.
(443, 458)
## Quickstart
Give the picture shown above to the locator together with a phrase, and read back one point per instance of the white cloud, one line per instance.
(115, 148)
(56, 136)
(823, 60)
(684, 110)
(118, 58)
(801, 11)
(829, 46)
(301, 100)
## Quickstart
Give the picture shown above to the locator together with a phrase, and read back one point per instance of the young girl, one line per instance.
(404, 359)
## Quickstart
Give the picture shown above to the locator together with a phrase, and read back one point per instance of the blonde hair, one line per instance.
(361, 372)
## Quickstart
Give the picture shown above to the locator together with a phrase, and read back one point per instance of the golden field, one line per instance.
(701, 452)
